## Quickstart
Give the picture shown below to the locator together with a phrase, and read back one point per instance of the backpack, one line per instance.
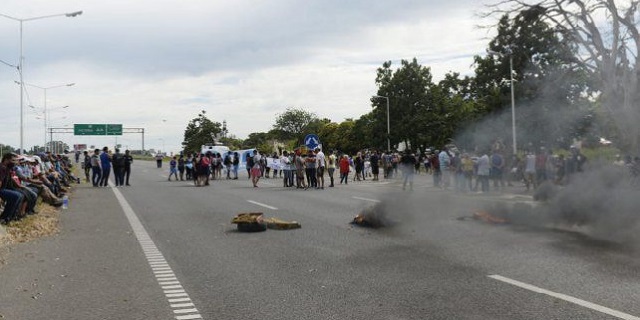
(227, 160)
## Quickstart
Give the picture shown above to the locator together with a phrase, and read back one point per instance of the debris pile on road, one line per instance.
(255, 222)
(373, 217)
(277, 224)
(488, 217)
(250, 222)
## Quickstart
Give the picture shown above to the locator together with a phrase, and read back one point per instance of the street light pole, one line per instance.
(388, 123)
(513, 99)
(44, 89)
(20, 64)
(513, 106)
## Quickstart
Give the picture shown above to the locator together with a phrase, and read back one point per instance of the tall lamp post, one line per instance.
(47, 123)
(388, 124)
(20, 64)
(45, 104)
(513, 99)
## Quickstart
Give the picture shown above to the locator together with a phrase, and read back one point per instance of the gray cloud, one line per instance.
(139, 61)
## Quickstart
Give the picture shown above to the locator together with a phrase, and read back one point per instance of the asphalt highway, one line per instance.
(431, 263)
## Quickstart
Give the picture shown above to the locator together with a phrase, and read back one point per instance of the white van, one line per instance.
(214, 149)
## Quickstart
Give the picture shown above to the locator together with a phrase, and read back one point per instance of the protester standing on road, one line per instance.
(181, 167)
(188, 166)
(467, 171)
(256, 171)
(445, 163)
(118, 167)
(128, 160)
(408, 163)
(236, 164)
(484, 170)
(435, 168)
(344, 169)
(204, 168)
(96, 168)
(249, 163)
(196, 169)
(375, 167)
(331, 166)
(285, 165)
(227, 164)
(311, 170)
(299, 165)
(320, 159)
(173, 168)
(86, 165)
(530, 170)
(497, 169)
(159, 157)
(105, 164)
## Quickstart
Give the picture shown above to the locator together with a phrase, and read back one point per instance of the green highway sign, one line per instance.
(97, 129)
(114, 129)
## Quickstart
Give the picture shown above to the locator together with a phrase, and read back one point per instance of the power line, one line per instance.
(8, 64)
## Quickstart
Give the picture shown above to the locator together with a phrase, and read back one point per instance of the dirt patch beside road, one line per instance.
(45, 223)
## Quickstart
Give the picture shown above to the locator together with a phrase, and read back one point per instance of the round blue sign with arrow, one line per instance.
(311, 141)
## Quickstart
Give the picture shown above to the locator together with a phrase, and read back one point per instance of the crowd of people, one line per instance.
(450, 168)
(26, 180)
(98, 166)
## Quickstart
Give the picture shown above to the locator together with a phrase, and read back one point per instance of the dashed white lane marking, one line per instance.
(262, 205)
(580, 302)
(365, 199)
(185, 310)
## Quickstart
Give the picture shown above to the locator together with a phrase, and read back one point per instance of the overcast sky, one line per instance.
(155, 64)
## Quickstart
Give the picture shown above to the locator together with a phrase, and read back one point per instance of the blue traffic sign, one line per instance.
(311, 141)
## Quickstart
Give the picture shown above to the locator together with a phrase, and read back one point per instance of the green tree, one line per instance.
(547, 80)
(256, 140)
(408, 89)
(200, 131)
(292, 123)
(607, 38)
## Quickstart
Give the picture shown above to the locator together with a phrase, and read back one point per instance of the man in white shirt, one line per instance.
(320, 159)
(285, 166)
(530, 170)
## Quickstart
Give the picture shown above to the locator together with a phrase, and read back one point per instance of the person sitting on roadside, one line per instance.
(14, 200)
(24, 172)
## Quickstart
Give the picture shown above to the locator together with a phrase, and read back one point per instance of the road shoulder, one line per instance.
(93, 269)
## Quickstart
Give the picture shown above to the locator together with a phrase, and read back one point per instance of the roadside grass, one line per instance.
(32, 227)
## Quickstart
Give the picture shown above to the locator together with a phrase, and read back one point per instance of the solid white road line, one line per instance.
(580, 302)
(365, 199)
(262, 205)
(155, 258)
